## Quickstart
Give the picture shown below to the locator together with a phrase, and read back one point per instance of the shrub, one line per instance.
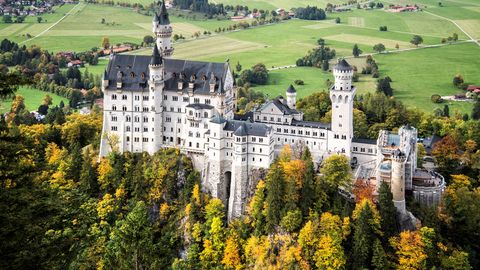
(436, 98)
(299, 82)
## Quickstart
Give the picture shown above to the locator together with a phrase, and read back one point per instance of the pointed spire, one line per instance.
(291, 89)
(156, 57)
(163, 15)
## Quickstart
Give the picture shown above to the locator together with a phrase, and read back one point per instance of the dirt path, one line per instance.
(53, 25)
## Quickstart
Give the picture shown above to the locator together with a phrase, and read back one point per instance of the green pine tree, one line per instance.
(379, 258)
(275, 184)
(307, 197)
(387, 211)
(131, 243)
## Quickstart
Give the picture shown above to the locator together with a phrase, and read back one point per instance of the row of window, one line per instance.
(300, 132)
(128, 118)
(137, 139)
(124, 108)
(272, 119)
(362, 150)
(186, 99)
(336, 136)
(125, 97)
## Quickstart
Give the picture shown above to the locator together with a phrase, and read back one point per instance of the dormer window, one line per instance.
(132, 75)
(142, 75)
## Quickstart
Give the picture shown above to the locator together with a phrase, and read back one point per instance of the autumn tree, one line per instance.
(256, 209)
(409, 249)
(336, 171)
(231, 255)
(445, 152)
(105, 42)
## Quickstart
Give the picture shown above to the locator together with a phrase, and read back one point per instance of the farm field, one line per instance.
(274, 4)
(282, 44)
(33, 99)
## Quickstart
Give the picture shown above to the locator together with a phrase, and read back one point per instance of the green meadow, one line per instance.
(33, 99)
(417, 74)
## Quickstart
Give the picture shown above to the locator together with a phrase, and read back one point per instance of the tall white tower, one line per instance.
(163, 31)
(156, 85)
(398, 180)
(291, 97)
(341, 95)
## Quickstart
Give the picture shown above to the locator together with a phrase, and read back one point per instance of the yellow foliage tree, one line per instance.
(409, 248)
(231, 254)
(329, 255)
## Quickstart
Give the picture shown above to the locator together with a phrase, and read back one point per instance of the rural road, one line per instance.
(386, 52)
(53, 25)
(458, 26)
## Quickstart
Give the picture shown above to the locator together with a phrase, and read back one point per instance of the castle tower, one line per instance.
(291, 97)
(398, 180)
(239, 181)
(341, 95)
(163, 31)
(155, 100)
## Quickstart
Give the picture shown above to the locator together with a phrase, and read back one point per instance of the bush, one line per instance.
(299, 82)
(435, 98)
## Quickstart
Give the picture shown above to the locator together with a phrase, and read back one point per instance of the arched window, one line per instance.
(340, 99)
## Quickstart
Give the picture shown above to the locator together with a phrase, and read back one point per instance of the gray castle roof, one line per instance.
(218, 119)
(162, 17)
(291, 89)
(280, 105)
(244, 128)
(343, 65)
(364, 141)
(200, 106)
(135, 73)
(156, 57)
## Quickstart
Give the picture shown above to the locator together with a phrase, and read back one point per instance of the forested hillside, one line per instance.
(61, 207)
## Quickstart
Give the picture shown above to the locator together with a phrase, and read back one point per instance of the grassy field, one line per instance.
(274, 4)
(283, 43)
(33, 99)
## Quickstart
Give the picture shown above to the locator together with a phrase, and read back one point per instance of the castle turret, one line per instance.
(239, 172)
(398, 180)
(291, 97)
(105, 80)
(342, 94)
(155, 101)
(163, 31)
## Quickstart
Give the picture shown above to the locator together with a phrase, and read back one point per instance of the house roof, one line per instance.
(135, 73)
(156, 57)
(218, 119)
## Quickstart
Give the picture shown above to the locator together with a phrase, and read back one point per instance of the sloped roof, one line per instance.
(137, 65)
(282, 107)
(162, 16)
(343, 65)
(247, 128)
(291, 89)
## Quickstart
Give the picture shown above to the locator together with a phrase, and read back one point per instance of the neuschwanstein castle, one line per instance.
(157, 101)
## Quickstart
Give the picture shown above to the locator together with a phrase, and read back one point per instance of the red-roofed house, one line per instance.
(472, 88)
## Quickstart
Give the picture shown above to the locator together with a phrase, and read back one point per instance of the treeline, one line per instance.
(43, 70)
(310, 13)
(201, 6)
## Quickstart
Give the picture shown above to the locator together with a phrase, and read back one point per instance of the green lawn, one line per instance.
(33, 99)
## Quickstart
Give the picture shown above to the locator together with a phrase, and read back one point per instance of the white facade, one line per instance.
(154, 101)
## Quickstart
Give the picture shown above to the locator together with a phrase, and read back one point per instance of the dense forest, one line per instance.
(63, 208)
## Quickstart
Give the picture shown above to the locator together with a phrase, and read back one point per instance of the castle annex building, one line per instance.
(156, 101)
